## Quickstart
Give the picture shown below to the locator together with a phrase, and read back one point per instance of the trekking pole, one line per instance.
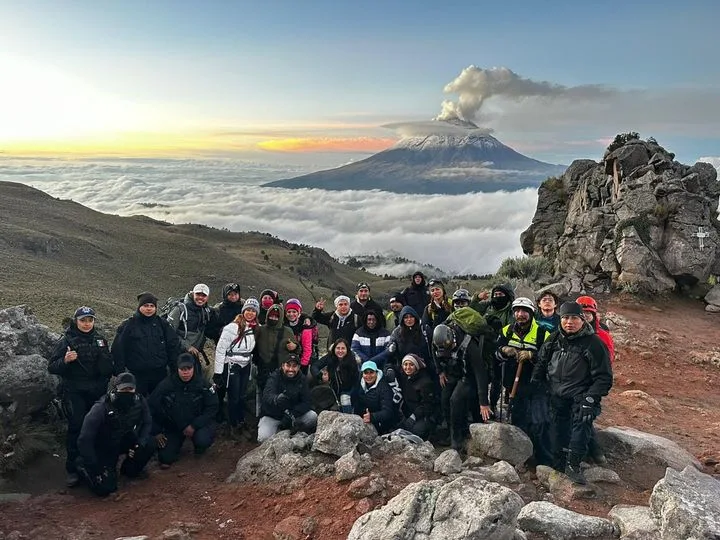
(502, 389)
(514, 390)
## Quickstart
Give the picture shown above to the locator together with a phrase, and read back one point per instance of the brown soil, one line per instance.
(656, 358)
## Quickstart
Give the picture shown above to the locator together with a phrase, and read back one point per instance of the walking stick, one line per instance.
(514, 390)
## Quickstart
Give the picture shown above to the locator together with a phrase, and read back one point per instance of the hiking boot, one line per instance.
(72, 479)
(575, 474)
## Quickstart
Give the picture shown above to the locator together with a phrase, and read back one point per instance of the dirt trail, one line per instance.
(655, 356)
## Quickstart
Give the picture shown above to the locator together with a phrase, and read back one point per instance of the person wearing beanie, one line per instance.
(305, 330)
(268, 298)
(420, 399)
(363, 303)
(183, 406)
(416, 295)
(575, 365)
(118, 424)
(146, 345)
(392, 319)
(439, 307)
(342, 322)
(250, 311)
(274, 343)
(82, 360)
(225, 311)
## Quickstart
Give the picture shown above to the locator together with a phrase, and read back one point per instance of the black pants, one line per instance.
(202, 439)
(147, 380)
(236, 389)
(76, 403)
(102, 477)
(423, 428)
(496, 382)
(530, 412)
(570, 436)
(459, 397)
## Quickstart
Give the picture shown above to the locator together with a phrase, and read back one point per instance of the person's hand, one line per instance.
(483, 295)
(218, 380)
(443, 380)
(70, 355)
(291, 345)
(320, 304)
(282, 400)
(524, 356)
(366, 416)
(589, 409)
(192, 350)
(161, 440)
(508, 351)
(485, 412)
(189, 431)
(131, 451)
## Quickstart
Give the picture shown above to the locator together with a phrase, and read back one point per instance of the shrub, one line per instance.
(529, 268)
(622, 139)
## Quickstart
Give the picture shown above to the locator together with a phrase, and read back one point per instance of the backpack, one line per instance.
(171, 303)
(472, 326)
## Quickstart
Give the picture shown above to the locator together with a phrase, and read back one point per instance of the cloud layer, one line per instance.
(463, 233)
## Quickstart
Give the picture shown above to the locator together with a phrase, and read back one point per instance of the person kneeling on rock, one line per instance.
(183, 407)
(118, 424)
(375, 399)
(286, 401)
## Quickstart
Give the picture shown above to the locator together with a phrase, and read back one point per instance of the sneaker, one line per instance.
(575, 474)
(72, 479)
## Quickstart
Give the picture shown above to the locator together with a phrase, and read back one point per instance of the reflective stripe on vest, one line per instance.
(529, 342)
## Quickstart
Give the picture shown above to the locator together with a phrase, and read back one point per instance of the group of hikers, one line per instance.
(429, 365)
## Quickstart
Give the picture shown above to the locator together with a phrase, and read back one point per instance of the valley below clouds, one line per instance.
(469, 233)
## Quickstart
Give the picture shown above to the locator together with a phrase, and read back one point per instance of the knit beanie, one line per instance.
(295, 304)
(251, 303)
(146, 298)
(418, 362)
(340, 299)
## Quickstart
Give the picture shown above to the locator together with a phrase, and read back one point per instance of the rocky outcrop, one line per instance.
(554, 522)
(502, 442)
(26, 387)
(637, 220)
(438, 509)
(634, 522)
(338, 433)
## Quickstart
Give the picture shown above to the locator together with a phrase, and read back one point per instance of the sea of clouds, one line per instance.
(469, 233)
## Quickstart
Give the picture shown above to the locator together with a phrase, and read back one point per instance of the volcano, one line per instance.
(462, 159)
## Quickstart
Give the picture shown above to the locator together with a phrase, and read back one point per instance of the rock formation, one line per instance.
(637, 220)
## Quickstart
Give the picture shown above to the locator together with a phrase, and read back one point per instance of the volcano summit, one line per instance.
(460, 158)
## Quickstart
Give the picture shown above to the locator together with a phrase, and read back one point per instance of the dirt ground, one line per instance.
(659, 355)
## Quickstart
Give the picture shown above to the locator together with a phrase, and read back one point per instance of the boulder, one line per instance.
(22, 334)
(601, 474)
(422, 454)
(687, 505)
(463, 508)
(713, 296)
(448, 462)
(352, 465)
(501, 472)
(339, 433)
(634, 522)
(561, 487)
(646, 454)
(554, 522)
(366, 486)
(500, 441)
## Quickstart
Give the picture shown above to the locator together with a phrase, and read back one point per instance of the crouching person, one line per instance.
(118, 424)
(286, 402)
(183, 407)
(375, 399)
(420, 400)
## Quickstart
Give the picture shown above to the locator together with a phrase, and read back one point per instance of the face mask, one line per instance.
(499, 301)
(267, 302)
(124, 400)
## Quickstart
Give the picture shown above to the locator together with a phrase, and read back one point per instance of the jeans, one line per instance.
(269, 426)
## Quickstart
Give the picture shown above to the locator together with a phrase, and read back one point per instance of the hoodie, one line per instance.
(263, 311)
(378, 399)
(497, 316)
(367, 343)
(271, 341)
(224, 313)
(417, 296)
(406, 340)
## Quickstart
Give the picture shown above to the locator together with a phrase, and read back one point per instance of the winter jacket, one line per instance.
(605, 336)
(435, 314)
(367, 343)
(469, 363)
(105, 427)
(417, 296)
(419, 394)
(189, 322)
(497, 317)
(392, 320)
(231, 350)
(370, 305)
(176, 404)
(262, 316)
(340, 327)
(93, 367)
(343, 374)
(519, 338)
(145, 344)
(306, 334)
(296, 388)
(378, 399)
(574, 364)
(224, 313)
(271, 345)
(404, 340)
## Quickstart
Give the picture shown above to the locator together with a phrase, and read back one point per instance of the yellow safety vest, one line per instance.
(529, 342)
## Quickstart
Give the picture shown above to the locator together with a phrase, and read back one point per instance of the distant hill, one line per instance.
(56, 255)
(464, 160)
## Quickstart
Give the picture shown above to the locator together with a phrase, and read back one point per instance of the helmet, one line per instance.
(461, 295)
(525, 303)
(443, 340)
(588, 303)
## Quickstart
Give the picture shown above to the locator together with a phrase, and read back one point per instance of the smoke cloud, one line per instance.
(474, 86)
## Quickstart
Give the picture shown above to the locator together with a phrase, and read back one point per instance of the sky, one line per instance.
(279, 81)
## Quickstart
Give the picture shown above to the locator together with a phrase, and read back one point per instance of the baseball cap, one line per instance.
(84, 311)
(202, 289)
(125, 381)
(185, 360)
(369, 365)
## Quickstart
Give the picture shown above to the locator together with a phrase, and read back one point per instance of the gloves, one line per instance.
(392, 347)
(524, 356)
(588, 409)
(287, 422)
(219, 380)
(282, 400)
(510, 352)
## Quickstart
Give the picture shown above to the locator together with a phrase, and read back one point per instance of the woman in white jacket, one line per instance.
(233, 356)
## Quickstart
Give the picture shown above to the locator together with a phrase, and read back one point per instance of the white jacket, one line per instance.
(228, 352)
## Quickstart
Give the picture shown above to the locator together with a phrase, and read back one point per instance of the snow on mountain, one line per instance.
(463, 159)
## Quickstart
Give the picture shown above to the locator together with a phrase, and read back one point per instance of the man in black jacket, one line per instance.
(146, 345)
(117, 424)
(375, 399)
(82, 359)
(576, 365)
(183, 407)
(286, 401)
(363, 303)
